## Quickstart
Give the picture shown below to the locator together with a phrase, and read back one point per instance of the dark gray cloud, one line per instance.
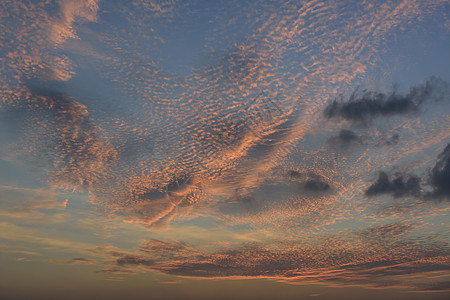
(440, 175)
(400, 185)
(441, 286)
(316, 185)
(344, 139)
(393, 140)
(309, 181)
(134, 260)
(403, 185)
(81, 260)
(115, 271)
(295, 174)
(361, 108)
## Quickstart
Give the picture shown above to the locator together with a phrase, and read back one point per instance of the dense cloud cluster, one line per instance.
(410, 185)
(440, 175)
(362, 108)
(344, 139)
(316, 185)
(393, 140)
(399, 186)
(309, 181)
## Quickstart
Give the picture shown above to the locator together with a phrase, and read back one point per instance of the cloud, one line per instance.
(157, 8)
(361, 108)
(82, 260)
(404, 185)
(316, 185)
(134, 260)
(441, 286)
(115, 271)
(401, 185)
(72, 11)
(233, 104)
(393, 140)
(440, 176)
(177, 125)
(388, 231)
(309, 181)
(344, 139)
(295, 174)
(380, 256)
(69, 138)
(30, 204)
(163, 250)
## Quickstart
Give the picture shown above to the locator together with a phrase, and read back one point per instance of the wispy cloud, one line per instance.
(381, 256)
(243, 144)
(229, 121)
(71, 12)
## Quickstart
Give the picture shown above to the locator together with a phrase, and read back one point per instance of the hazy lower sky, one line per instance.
(165, 149)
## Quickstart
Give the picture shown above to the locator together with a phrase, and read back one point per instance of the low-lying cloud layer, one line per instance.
(381, 256)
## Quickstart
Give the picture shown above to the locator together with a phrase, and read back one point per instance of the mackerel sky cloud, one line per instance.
(235, 149)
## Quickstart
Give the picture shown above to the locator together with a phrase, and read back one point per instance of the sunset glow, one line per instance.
(166, 149)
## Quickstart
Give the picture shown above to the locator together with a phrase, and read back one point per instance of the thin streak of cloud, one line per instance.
(381, 256)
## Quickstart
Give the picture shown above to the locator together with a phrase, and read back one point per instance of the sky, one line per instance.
(165, 149)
